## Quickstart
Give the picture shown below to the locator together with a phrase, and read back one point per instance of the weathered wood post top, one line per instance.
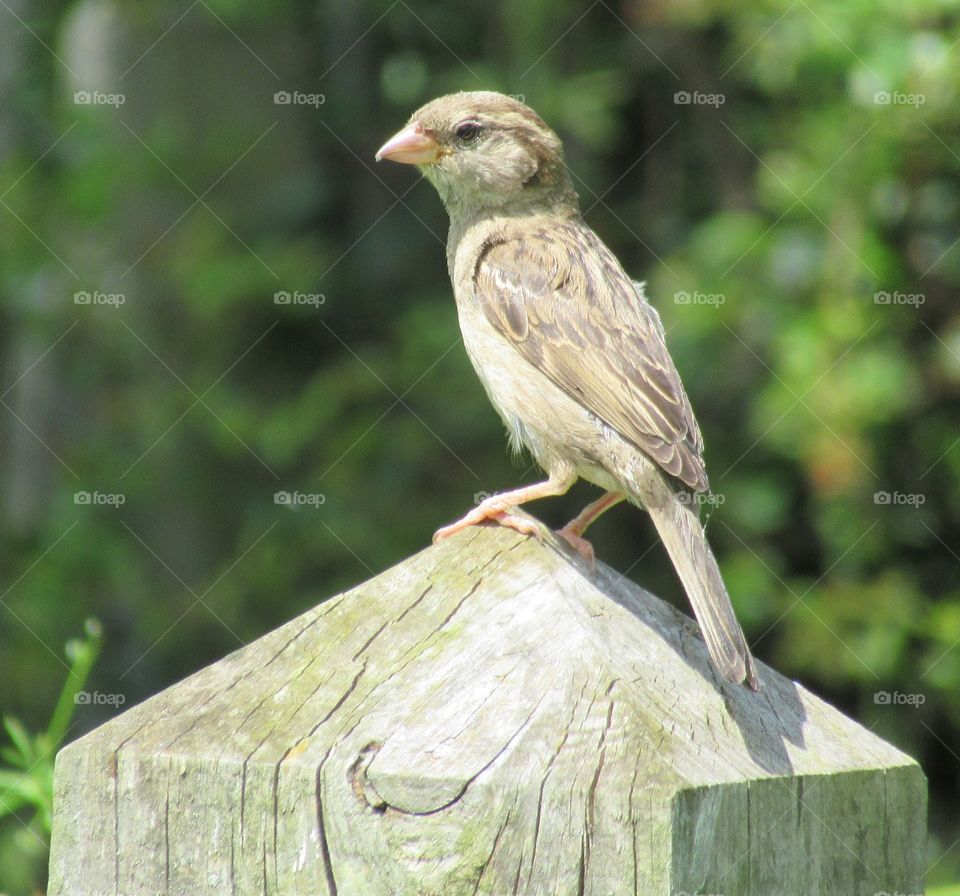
(492, 717)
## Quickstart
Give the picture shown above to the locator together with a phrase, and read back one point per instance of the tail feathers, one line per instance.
(684, 539)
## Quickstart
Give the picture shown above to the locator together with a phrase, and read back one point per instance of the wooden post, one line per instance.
(487, 717)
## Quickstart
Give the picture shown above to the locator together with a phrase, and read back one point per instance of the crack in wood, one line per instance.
(233, 858)
(632, 822)
(516, 879)
(263, 866)
(546, 774)
(116, 824)
(279, 763)
(243, 778)
(343, 699)
(359, 783)
(475, 775)
(592, 790)
(602, 746)
(243, 799)
(276, 814)
(166, 835)
(259, 704)
(466, 723)
(286, 646)
(198, 712)
(460, 603)
(582, 869)
(412, 653)
(276, 773)
(493, 849)
(564, 795)
(322, 834)
(416, 603)
(370, 640)
(321, 683)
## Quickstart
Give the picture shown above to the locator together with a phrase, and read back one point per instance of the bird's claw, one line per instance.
(490, 510)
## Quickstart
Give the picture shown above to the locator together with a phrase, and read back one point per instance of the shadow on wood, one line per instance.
(487, 717)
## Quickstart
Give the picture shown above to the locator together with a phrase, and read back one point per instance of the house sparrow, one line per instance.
(569, 351)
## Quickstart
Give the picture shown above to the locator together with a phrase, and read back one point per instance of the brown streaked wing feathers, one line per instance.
(559, 295)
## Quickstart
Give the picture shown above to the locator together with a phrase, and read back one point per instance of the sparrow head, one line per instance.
(485, 151)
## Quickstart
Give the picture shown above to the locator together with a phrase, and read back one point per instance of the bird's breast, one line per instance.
(498, 365)
(557, 430)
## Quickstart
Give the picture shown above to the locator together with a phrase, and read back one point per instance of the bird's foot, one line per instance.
(579, 544)
(490, 509)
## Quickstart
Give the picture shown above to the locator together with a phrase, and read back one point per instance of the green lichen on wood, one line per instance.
(488, 717)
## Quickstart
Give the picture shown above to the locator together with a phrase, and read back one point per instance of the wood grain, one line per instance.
(490, 717)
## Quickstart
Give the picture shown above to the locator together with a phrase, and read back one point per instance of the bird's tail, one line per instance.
(685, 541)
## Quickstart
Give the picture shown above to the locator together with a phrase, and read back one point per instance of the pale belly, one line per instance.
(557, 430)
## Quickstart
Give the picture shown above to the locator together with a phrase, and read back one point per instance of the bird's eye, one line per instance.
(467, 131)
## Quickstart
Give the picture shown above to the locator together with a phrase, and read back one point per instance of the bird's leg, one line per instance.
(572, 533)
(496, 507)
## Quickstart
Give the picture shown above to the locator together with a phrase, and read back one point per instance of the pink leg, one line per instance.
(496, 507)
(572, 533)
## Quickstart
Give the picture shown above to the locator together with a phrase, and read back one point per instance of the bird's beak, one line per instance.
(411, 146)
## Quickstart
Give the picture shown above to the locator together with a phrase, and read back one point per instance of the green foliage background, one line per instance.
(795, 202)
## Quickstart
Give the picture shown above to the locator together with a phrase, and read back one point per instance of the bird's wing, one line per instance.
(558, 294)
